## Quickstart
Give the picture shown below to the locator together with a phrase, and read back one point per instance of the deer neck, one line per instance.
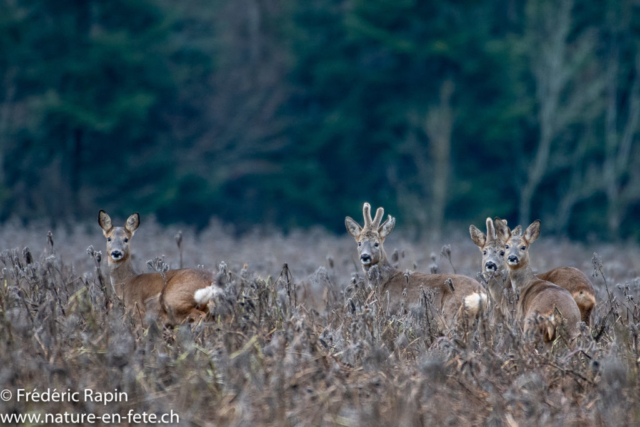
(383, 264)
(496, 285)
(121, 273)
(381, 272)
(521, 277)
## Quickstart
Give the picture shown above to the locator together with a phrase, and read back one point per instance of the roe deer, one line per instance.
(467, 294)
(494, 268)
(136, 290)
(569, 278)
(537, 297)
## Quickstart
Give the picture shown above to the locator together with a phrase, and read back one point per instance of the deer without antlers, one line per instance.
(494, 262)
(140, 290)
(539, 300)
(467, 293)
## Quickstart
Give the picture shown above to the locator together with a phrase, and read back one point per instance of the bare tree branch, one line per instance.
(556, 64)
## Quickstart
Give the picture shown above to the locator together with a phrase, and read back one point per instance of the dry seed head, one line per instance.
(446, 251)
(597, 263)
(50, 239)
(351, 306)
(26, 253)
(244, 273)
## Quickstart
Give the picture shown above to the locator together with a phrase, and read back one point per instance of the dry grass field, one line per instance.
(311, 344)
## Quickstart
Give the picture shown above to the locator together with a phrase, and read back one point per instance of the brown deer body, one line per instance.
(578, 284)
(539, 300)
(467, 294)
(139, 291)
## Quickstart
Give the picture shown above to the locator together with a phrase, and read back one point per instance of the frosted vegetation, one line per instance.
(309, 344)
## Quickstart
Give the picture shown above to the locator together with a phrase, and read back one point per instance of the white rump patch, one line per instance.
(475, 303)
(204, 295)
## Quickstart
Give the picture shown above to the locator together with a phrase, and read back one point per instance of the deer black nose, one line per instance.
(365, 257)
(491, 266)
(513, 258)
(116, 254)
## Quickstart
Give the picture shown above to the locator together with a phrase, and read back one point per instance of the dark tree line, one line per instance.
(293, 113)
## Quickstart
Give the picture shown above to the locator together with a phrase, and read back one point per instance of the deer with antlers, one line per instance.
(175, 293)
(450, 296)
(494, 267)
(494, 263)
(541, 303)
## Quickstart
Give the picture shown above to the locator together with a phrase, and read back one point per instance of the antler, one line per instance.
(366, 213)
(502, 229)
(370, 223)
(378, 218)
(491, 231)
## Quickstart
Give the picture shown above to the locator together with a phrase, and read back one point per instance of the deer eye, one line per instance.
(484, 252)
(377, 244)
(523, 248)
(108, 239)
(359, 243)
(126, 240)
(501, 253)
(507, 246)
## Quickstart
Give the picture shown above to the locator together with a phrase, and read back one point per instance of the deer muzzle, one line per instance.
(490, 266)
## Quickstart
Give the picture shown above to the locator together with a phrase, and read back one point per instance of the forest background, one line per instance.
(292, 113)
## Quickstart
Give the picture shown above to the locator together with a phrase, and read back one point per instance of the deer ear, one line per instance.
(477, 236)
(387, 227)
(502, 230)
(133, 222)
(532, 232)
(352, 227)
(105, 221)
(517, 231)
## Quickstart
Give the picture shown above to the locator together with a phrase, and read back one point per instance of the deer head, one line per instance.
(118, 249)
(370, 238)
(517, 243)
(492, 248)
